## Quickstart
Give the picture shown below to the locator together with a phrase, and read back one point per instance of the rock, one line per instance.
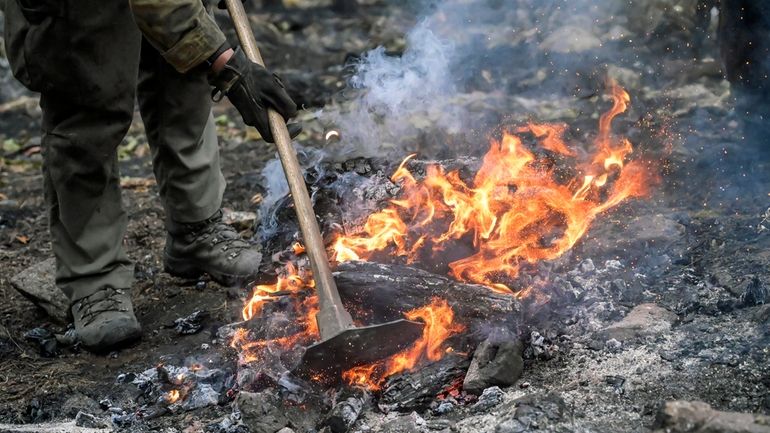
(570, 39)
(490, 398)
(495, 363)
(643, 320)
(285, 430)
(696, 416)
(87, 420)
(37, 284)
(261, 411)
(411, 423)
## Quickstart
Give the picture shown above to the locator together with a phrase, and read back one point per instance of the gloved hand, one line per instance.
(253, 89)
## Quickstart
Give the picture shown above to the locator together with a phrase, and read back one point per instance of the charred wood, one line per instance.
(350, 404)
(416, 390)
(376, 293)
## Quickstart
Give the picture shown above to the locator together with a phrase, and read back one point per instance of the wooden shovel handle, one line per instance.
(332, 317)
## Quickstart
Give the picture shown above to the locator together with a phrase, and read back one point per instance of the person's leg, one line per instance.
(176, 109)
(87, 103)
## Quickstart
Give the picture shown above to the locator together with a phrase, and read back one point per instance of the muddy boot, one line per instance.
(105, 319)
(211, 247)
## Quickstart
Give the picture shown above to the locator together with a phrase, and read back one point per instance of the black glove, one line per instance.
(253, 89)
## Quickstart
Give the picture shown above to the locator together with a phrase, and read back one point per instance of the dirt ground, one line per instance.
(688, 249)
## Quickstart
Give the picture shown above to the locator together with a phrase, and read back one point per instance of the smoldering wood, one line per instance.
(416, 390)
(350, 403)
(377, 293)
(343, 195)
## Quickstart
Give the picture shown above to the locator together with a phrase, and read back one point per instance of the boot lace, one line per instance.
(219, 234)
(103, 301)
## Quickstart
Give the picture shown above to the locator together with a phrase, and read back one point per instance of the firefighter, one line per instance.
(89, 60)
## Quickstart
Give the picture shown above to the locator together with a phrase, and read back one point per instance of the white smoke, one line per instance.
(398, 96)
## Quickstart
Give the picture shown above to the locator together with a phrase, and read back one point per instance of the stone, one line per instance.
(695, 416)
(261, 411)
(570, 39)
(37, 284)
(285, 430)
(490, 398)
(642, 320)
(495, 363)
(87, 420)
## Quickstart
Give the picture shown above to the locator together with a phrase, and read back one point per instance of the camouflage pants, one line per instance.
(90, 63)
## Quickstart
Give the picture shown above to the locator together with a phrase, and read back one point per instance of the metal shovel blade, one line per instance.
(358, 346)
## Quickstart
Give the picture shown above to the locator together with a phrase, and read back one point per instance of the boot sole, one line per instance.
(183, 268)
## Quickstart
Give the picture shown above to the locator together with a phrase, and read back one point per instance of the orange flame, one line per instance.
(290, 280)
(172, 396)
(515, 210)
(439, 326)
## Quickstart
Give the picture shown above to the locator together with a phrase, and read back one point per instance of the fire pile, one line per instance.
(524, 205)
(519, 208)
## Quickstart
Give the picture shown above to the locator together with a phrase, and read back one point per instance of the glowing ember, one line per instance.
(439, 326)
(172, 396)
(515, 211)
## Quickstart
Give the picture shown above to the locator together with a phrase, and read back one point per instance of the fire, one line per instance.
(290, 280)
(172, 396)
(439, 326)
(515, 210)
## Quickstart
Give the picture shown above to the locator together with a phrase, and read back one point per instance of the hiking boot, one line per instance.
(106, 319)
(211, 247)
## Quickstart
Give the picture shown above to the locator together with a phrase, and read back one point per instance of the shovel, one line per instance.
(342, 344)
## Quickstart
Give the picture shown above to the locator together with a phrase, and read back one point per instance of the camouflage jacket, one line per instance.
(181, 30)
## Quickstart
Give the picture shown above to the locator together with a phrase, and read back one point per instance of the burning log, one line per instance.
(378, 292)
(416, 390)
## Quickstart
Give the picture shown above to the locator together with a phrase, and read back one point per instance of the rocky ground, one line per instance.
(658, 318)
